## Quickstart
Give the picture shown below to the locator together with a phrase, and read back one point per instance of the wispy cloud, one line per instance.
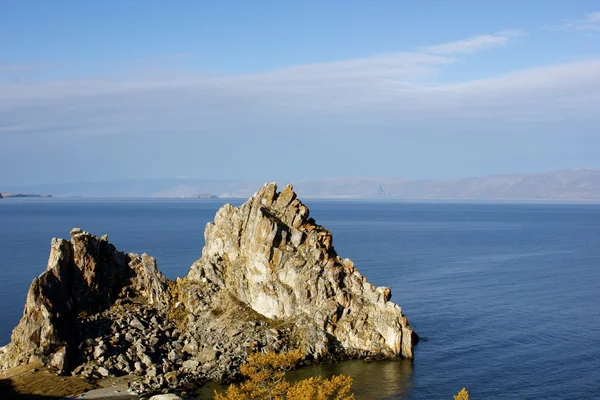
(474, 44)
(392, 87)
(13, 73)
(590, 22)
(18, 67)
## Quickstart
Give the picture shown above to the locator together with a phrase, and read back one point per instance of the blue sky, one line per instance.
(285, 90)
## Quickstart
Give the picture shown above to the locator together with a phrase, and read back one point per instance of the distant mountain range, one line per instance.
(571, 184)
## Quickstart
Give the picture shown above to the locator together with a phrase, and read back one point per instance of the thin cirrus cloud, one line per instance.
(590, 22)
(475, 43)
(394, 88)
(549, 93)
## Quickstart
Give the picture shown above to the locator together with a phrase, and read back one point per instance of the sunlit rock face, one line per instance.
(272, 256)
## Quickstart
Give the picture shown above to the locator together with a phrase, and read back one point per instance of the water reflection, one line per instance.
(373, 380)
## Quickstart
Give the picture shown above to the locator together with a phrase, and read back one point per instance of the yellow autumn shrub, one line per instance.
(462, 395)
(265, 379)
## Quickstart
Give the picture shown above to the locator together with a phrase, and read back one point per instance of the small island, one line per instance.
(193, 196)
(20, 195)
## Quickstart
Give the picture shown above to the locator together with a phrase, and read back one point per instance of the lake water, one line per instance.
(506, 297)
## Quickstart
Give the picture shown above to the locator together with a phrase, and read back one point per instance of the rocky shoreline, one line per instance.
(269, 279)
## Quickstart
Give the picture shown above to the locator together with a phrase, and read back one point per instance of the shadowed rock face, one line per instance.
(84, 275)
(269, 279)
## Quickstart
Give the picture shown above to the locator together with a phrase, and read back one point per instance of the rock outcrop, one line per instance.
(84, 276)
(272, 257)
(269, 279)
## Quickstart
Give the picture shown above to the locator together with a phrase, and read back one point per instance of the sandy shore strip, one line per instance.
(117, 392)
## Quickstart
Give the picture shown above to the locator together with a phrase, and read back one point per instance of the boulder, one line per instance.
(168, 396)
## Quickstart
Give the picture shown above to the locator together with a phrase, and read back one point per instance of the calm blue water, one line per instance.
(505, 296)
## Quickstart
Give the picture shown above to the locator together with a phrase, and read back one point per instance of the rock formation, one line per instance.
(84, 276)
(272, 257)
(269, 279)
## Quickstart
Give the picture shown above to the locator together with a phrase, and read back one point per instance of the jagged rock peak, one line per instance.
(84, 275)
(270, 255)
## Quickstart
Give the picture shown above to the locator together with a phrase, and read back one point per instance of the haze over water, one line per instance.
(504, 296)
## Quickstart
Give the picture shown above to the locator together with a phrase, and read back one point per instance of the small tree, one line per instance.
(265, 379)
(462, 395)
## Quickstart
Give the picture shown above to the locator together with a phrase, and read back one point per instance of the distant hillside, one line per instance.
(6, 195)
(574, 184)
(571, 184)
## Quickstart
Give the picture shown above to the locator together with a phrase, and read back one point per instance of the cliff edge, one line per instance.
(269, 279)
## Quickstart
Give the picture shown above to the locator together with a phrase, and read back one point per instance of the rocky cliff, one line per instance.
(271, 256)
(269, 279)
(85, 276)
